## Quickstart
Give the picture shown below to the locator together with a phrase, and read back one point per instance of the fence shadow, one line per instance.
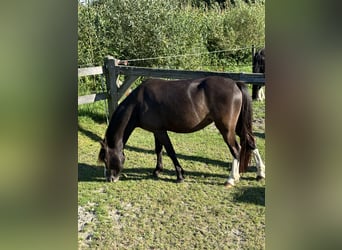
(205, 160)
(93, 173)
(260, 135)
(95, 116)
(89, 134)
(89, 173)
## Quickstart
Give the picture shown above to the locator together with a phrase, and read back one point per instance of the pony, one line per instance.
(183, 106)
(258, 67)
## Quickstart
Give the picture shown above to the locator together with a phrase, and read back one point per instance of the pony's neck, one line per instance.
(121, 126)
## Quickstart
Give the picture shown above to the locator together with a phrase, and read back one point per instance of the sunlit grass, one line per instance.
(140, 212)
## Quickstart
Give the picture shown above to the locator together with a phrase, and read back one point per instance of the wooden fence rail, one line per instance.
(253, 78)
(90, 71)
(112, 69)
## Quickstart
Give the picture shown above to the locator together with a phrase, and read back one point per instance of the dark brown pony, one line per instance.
(258, 67)
(181, 106)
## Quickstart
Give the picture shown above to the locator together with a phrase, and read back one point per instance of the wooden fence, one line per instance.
(112, 68)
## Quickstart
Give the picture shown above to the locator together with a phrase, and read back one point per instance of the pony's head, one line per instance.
(259, 61)
(113, 158)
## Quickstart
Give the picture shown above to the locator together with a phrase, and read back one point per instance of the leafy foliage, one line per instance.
(129, 29)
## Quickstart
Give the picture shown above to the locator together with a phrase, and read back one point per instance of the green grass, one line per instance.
(140, 212)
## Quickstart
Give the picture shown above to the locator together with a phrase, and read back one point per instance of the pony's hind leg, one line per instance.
(234, 174)
(259, 165)
(164, 139)
(158, 150)
(234, 147)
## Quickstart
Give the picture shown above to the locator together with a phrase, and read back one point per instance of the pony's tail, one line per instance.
(244, 128)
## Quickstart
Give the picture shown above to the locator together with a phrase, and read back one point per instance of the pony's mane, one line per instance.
(119, 118)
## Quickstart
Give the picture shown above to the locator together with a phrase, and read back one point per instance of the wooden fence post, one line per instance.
(111, 78)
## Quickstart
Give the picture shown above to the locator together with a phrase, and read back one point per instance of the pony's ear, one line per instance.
(102, 153)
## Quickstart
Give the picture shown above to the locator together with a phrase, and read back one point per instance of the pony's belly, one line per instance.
(177, 125)
(190, 127)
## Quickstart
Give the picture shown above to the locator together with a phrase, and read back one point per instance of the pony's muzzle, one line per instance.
(112, 178)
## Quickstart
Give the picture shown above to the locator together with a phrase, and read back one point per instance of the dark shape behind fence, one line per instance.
(258, 67)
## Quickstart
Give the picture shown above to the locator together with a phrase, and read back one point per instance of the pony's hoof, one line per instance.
(260, 178)
(180, 180)
(228, 185)
(113, 179)
(156, 174)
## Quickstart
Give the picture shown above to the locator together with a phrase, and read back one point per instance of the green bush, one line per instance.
(166, 29)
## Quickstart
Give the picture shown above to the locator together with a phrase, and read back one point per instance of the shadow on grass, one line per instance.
(250, 169)
(183, 157)
(252, 195)
(205, 160)
(95, 116)
(89, 134)
(260, 135)
(89, 173)
(97, 138)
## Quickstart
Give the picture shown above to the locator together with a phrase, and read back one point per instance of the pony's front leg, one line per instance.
(158, 150)
(234, 174)
(164, 139)
(259, 165)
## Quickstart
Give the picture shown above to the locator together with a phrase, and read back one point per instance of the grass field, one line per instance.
(140, 212)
